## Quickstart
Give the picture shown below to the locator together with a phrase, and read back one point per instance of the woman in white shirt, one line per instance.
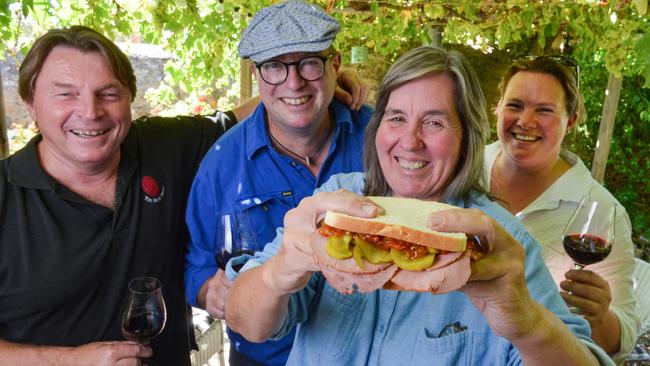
(541, 184)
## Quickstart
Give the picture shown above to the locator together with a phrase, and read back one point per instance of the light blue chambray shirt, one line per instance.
(388, 327)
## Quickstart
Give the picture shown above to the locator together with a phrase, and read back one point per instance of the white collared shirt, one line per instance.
(545, 219)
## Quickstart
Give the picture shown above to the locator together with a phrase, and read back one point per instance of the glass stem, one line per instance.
(578, 266)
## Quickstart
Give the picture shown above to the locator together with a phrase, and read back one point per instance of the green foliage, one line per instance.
(628, 164)
(605, 36)
(19, 135)
(642, 48)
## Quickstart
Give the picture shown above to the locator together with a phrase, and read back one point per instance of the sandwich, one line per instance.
(393, 251)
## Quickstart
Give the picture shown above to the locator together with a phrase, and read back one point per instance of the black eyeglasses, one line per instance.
(566, 61)
(310, 68)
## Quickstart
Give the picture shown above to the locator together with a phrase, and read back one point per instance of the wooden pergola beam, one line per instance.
(606, 128)
(245, 81)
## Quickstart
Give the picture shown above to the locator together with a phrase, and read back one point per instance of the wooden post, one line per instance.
(245, 81)
(606, 128)
(4, 142)
(435, 33)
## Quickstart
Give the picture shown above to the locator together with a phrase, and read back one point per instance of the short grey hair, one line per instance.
(471, 108)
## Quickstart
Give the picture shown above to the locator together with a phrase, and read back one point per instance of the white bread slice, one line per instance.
(404, 219)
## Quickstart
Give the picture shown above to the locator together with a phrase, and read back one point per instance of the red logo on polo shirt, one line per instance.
(153, 191)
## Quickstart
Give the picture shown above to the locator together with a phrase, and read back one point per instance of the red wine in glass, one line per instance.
(144, 314)
(143, 324)
(235, 237)
(223, 257)
(586, 249)
(589, 234)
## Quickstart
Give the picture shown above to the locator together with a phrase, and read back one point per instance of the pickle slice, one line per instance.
(417, 264)
(339, 247)
(358, 256)
(372, 254)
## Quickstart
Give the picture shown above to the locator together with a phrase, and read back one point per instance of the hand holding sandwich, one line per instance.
(497, 287)
(289, 270)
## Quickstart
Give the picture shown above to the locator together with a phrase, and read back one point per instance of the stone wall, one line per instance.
(148, 62)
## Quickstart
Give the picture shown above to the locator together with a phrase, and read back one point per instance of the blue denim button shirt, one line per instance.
(387, 327)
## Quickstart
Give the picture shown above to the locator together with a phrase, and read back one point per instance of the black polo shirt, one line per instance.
(65, 262)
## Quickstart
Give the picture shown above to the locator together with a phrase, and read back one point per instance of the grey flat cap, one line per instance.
(292, 26)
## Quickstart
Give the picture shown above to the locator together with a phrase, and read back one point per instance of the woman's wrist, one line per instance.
(535, 327)
(550, 336)
(608, 334)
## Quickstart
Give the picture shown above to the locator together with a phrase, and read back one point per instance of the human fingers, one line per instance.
(504, 258)
(589, 277)
(589, 285)
(354, 87)
(135, 359)
(588, 309)
(472, 222)
(344, 97)
(134, 349)
(363, 94)
(215, 298)
(312, 210)
(593, 301)
(126, 352)
(344, 201)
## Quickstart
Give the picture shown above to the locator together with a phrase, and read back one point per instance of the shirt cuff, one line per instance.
(242, 261)
(628, 334)
(601, 355)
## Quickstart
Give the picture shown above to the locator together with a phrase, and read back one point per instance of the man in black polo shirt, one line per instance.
(91, 202)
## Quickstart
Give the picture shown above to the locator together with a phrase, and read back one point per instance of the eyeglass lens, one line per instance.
(309, 68)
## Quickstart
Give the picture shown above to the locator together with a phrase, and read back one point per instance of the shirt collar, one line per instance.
(257, 137)
(25, 169)
(568, 188)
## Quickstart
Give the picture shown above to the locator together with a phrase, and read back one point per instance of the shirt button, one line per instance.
(381, 328)
(265, 208)
(293, 163)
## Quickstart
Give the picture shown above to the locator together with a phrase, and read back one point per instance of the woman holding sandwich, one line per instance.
(540, 103)
(425, 141)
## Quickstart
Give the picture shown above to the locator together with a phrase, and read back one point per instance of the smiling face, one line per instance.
(83, 112)
(419, 138)
(532, 120)
(297, 103)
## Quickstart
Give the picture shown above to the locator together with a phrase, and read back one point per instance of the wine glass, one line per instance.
(235, 237)
(589, 234)
(145, 314)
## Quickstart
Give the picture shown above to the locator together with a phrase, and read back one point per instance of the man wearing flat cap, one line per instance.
(295, 140)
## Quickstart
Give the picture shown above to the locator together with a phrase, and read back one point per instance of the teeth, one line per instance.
(296, 101)
(525, 137)
(86, 133)
(413, 165)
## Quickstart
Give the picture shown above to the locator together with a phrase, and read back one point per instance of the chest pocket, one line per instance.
(264, 213)
(453, 349)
